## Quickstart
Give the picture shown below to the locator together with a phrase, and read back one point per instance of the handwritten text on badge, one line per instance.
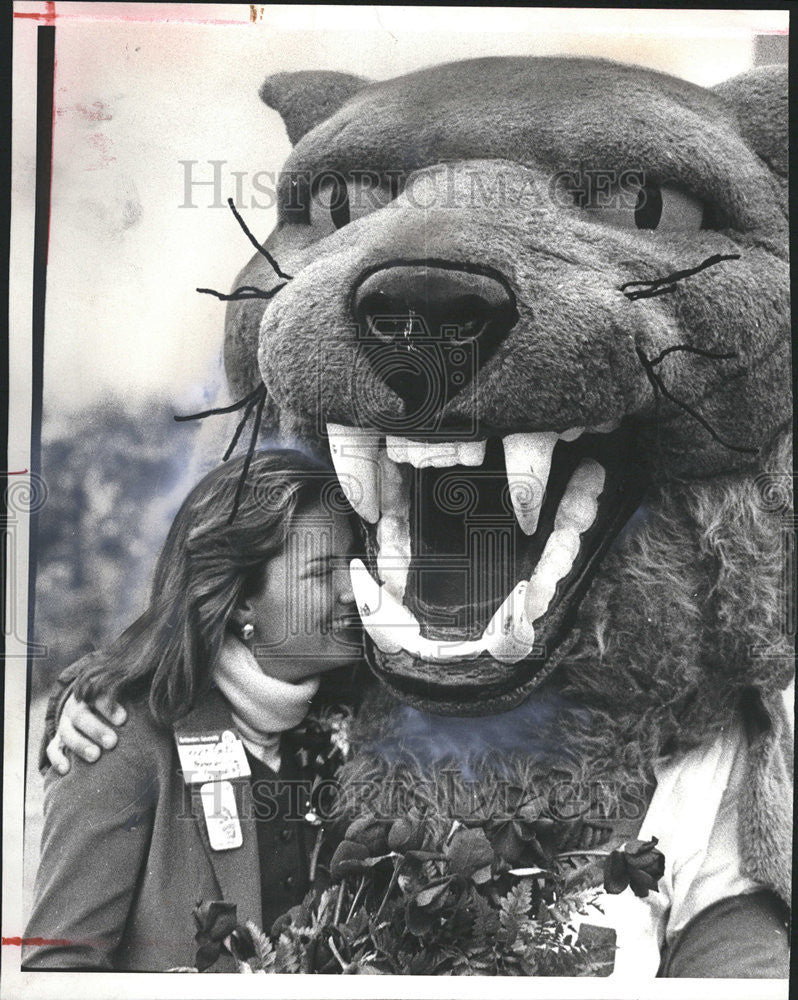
(211, 757)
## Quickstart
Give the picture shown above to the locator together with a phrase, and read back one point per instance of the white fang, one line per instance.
(527, 458)
(354, 454)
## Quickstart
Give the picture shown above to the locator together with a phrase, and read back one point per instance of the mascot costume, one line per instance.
(537, 309)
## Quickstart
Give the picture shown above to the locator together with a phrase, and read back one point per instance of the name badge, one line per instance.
(211, 757)
(221, 815)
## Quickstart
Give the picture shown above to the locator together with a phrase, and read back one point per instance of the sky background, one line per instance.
(134, 97)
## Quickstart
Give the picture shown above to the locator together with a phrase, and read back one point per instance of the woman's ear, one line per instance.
(241, 615)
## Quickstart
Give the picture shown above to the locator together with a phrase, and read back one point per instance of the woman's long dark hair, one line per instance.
(205, 568)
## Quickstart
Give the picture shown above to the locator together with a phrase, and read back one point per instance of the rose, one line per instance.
(215, 920)
(637, 864)
(406, 833)
(370, 832)
(348, 857)
(297, 916)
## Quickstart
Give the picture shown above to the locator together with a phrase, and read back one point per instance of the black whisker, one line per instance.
(671, 279)
(692, 350)
(265, 253)
(223, 409)
(649, 293)
(659, 387)
(244, 292)
(250, 452)
(239, 428)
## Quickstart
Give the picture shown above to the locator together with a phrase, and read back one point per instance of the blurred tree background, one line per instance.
(115, 476)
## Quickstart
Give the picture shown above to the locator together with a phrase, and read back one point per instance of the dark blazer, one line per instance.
(125, 855)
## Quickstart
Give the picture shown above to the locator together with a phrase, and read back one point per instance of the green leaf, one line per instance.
(486, 922)
(518, 900)
(264, 949)
(418, 920)
(425, 855)
(353, 928)
(513, 909)
(207, 954)
(289, 955)
(482, 875)
(432, 892)
(468, 851)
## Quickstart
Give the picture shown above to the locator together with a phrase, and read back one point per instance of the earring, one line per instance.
(247, 631)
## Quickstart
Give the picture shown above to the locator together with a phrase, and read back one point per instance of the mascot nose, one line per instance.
(427, 329)
(418, 302)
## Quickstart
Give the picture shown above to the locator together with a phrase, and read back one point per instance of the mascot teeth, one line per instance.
(575, 514)
(354, 454)
(393, 627)
(393, 529)
(388, 622)
(579, 505)
(376, 481)
(527, 458)
(509, 636)
(471, 452)
(435, 454)
(571, 434)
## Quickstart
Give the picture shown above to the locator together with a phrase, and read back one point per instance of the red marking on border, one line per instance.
(20, 472)
(47, 16)
(18, 942)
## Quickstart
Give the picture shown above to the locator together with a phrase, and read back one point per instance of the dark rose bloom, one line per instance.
(370, 832)
(347, 858)
(406, 834)
(637, 864)
(215, 920)
(297, 916)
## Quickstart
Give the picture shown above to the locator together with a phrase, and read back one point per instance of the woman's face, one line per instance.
(304, 612)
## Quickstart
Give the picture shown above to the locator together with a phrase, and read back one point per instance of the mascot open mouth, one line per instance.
(479, 551)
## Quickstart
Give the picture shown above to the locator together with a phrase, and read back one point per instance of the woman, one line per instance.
(201, 799)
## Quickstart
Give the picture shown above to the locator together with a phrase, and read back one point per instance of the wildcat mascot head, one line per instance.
(538, 311)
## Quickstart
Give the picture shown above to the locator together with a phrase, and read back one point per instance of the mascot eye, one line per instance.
(667, 209)
(649, 206)
(335, 203)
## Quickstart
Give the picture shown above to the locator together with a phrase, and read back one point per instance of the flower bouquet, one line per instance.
(404, 901)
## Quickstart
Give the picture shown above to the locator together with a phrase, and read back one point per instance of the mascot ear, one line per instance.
(759, 101)
(304, 99)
